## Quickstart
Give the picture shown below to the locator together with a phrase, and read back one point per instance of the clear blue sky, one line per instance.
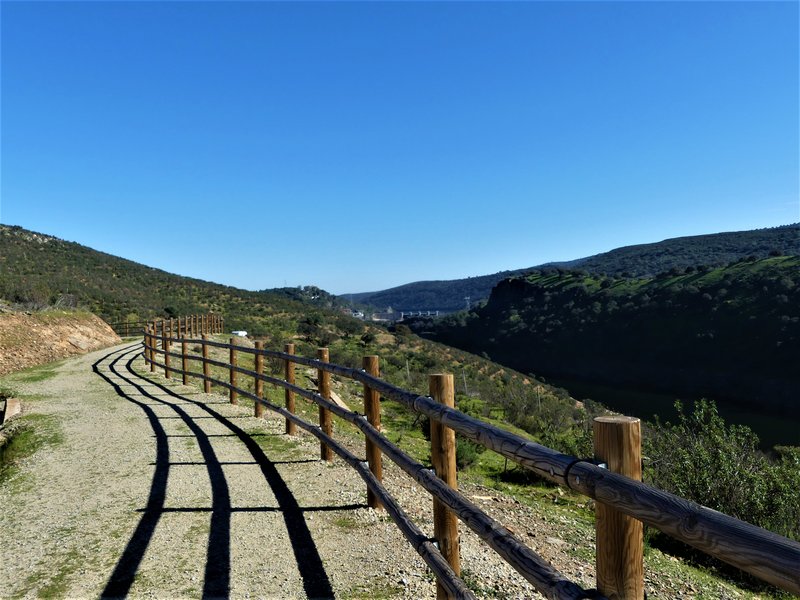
(358, 146)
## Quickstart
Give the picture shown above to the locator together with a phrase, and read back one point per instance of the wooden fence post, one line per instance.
(258, 410)
(291, 428)
(372, 409)
(167, 345)
(206, 366)
(324, 389)
(443, 457)
(184, 362)
(146, 344)
(153, 343)
(233, 363)
(146, 341)
(619, 552)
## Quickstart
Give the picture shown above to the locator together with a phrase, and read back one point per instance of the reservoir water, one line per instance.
(771, 429)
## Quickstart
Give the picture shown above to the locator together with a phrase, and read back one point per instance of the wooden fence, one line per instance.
(624, 502)
(190, 325)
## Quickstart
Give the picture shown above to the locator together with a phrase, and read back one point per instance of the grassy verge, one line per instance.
(21, 438)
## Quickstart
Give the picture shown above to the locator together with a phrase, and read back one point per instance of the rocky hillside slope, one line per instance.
(29, 339)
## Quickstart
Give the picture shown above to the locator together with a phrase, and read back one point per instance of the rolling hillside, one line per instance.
(39, 270)
(644, 260)
(729, 333)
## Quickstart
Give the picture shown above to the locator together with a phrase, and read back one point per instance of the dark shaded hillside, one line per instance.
(648, 260)
(41, 270)
(644, 260)
(729, 333)
(447, 296)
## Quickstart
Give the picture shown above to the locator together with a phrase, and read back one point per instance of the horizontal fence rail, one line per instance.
(178, 326)
(766, 555)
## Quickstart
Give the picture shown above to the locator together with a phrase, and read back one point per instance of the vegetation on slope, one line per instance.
(716, 250)
(644, 260)
(485, 389)
(730, 333)
(38, 270)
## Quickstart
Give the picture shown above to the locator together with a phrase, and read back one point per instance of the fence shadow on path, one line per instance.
(117, 370)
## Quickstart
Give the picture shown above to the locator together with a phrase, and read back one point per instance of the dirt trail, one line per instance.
(150, 489)
(156, 490)
(155, 493)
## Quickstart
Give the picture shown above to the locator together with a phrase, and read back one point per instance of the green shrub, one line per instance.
(467, 452)
(703, 459)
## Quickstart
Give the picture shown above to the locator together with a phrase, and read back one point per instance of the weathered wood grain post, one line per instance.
(258, 409)
(291, 428)
(324, 389)
(619, 553)
(153, 342)
(443, 457)
(206, 366)
(146, 344)
(233, 395)
(372, 409)
(221, 324)
(185, 361)
(167, 346)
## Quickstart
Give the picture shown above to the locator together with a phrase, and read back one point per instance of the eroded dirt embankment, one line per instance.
(30, 339)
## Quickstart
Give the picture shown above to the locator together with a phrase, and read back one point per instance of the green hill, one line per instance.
(39, 270)
(729, 333)
(644, 260)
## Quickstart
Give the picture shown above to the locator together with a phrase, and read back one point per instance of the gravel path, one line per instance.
(150, 489)
(157, 490)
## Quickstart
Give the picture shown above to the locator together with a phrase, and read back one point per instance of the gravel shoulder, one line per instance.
(151, 489)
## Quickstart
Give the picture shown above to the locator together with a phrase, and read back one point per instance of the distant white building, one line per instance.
(239, 333)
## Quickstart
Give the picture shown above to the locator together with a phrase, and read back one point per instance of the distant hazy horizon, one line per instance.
(362, 146)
